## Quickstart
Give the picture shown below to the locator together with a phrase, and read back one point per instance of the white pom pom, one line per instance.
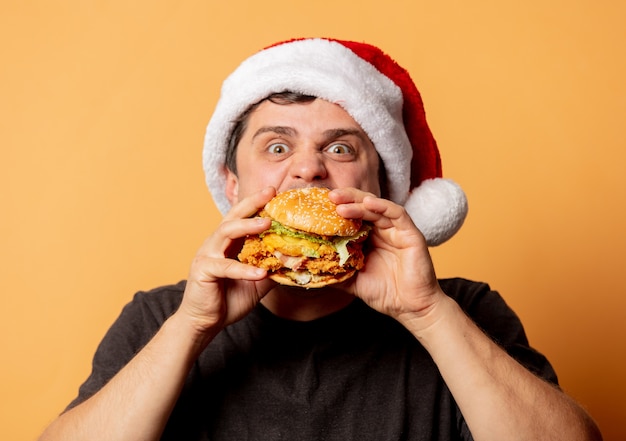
(438, 207)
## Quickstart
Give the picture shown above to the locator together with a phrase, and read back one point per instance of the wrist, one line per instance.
(188, 331)
(429, 322)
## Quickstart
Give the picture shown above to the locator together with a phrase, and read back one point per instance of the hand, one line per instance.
(398, 279)
(498, 397)
(221, 290)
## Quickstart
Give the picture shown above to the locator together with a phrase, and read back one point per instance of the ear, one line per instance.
(232, 187)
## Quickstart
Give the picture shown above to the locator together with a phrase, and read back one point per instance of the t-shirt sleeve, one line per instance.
(491, 313)
(136, 325)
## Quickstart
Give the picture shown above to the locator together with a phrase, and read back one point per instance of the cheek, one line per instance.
(360, 176)
(371, 183)
(256, 177)
(363, 173)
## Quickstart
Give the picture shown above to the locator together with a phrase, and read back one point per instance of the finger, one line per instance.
(349, 202)
(251, 205)
(381, 212)
(230, 231)
(347, 195)
(356, 203)
(209, 269)
(378, 209)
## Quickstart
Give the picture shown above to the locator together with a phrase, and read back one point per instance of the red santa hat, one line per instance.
(377, 93)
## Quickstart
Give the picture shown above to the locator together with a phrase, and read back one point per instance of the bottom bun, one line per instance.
(307, 280)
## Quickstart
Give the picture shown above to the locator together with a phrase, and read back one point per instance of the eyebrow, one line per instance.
(328, 134)
(280, 130)
(338, 133)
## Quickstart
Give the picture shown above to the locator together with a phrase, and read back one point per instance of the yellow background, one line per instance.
(103, 110)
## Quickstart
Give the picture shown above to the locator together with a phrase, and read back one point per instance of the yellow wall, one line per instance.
(103, 108)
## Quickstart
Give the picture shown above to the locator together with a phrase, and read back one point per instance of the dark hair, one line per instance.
(286, 97)
(241, 123)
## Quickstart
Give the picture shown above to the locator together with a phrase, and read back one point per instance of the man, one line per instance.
(392, 353)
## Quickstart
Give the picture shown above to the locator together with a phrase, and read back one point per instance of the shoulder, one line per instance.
(472, 295)
(141, 318)
(486, 307)
(166, 296)
(464, 290)
(154, 305)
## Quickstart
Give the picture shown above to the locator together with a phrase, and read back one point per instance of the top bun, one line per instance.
(310, 210)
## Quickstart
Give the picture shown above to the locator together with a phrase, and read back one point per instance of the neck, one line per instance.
(305, 305)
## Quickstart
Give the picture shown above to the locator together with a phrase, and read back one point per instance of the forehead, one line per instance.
(313, 113)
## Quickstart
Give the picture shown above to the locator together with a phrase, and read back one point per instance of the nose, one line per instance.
(309, 166)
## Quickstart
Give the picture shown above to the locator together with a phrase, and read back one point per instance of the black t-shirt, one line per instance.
(353, 375)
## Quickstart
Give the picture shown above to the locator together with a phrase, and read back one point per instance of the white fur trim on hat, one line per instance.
(438, 208)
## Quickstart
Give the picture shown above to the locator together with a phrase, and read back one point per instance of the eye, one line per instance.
(278, 149)
(340, 149)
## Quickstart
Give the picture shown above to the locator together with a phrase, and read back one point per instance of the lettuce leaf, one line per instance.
(339, 243)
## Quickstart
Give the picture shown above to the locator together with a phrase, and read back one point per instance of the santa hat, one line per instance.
(376, 92)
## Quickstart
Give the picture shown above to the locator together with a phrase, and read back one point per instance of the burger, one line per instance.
(308, 244)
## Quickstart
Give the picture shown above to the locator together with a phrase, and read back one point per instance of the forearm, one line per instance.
(137, 402)
(498, 397)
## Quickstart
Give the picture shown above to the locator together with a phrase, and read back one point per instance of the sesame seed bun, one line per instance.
(310, 210)
(315, 281)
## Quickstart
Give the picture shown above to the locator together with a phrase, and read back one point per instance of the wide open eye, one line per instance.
(278, 148)
(341, 150)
